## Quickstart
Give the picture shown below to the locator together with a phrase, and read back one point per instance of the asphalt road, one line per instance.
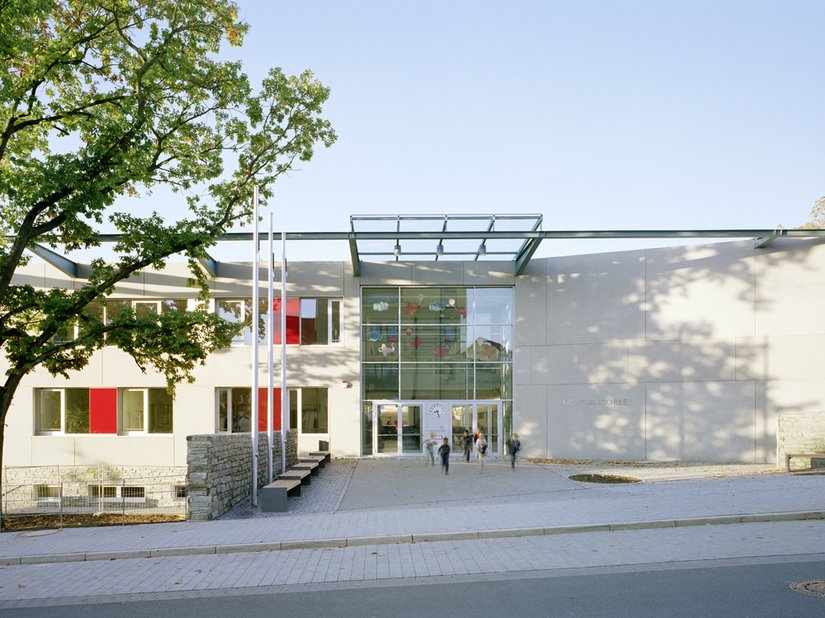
(729, 588)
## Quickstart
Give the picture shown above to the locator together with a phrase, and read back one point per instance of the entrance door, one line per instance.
(397, 428)
(386, 428)
(488, 422)
(462, 415)
(476, 417)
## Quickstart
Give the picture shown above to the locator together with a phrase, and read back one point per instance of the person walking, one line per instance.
(481, 451)
(514, 446)
(429, 447)
(467, 442)
(444, 453)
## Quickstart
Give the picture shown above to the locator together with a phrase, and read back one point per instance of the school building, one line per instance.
(711, 352)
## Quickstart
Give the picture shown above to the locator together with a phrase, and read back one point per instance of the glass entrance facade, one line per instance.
(421, 345)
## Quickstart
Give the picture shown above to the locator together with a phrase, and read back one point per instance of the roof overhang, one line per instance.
(456, 237)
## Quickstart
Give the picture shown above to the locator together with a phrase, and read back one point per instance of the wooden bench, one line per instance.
(274, 497)
(305, 476)
(324, 454)
(788, 457)
(312, 467)
(319, 459)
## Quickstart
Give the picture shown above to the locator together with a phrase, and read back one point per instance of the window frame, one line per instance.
(296, 397)
(119, 490)
(334, 327)
(146, 391)
(334, 318)
(40, 392)
(62, 391)
(229, 391)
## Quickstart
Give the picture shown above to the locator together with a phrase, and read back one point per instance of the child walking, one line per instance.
(444, 453)
(429, 445)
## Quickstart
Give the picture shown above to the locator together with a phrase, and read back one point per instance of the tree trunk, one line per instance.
(7, 392)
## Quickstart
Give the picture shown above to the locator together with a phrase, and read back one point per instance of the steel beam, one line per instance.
(61, 262)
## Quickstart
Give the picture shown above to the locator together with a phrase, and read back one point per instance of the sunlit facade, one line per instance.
(676, 354)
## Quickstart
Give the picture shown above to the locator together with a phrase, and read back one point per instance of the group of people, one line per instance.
(470, 442)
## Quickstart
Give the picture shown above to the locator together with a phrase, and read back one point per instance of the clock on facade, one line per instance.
(436, 410)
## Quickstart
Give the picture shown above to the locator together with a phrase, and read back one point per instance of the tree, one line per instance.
(817, 216)
(107, 98)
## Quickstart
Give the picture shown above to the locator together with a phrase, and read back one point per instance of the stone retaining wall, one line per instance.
(220, 469)
(799, 432)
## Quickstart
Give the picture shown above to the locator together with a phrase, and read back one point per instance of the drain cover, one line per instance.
(815, 587)
(603, 478)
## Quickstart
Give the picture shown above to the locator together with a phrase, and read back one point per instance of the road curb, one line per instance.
(423, 537)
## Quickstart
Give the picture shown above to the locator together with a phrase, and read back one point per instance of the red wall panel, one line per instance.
(276, 409)
(293, 321)
(103, 410)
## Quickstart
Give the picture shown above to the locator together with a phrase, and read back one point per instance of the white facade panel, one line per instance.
(583, 363)
(700, 292)
(691, 360)
(595, 298)
(604, 421)
(701, 421)
(790, 288)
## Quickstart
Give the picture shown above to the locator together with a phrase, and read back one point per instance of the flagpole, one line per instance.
(284, 392)
(270, 414)
(255, 317)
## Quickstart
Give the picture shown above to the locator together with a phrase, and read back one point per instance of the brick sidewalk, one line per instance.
(365, 520)
(368, 501)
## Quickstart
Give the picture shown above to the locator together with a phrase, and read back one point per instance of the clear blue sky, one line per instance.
(614, 114)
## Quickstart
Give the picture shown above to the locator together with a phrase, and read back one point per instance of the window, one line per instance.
(47, 494)
(435, 343)
(309, 321)
(111, 309)
(239, 311)
(50, 410)
(320, 321)
(75, 410)
(62, 410)
(309, 409)
(314, 410)
(234, 409)
(146, 410)
(118, 493)
(145, 308)
(179, 492)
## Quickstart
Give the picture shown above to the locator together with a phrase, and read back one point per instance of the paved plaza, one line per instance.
(392, 519)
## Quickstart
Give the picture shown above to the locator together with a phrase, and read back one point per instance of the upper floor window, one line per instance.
(320, 321)
(109, 309)
(308, 321)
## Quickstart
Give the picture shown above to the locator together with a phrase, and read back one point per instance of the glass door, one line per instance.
(386, 428)
(410, 434)
(488, 421)
(395, 428)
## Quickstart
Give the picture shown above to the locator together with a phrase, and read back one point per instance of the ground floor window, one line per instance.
(146, 410)
(234, 409)
(102, 410)
(62, 410)
(309, 409)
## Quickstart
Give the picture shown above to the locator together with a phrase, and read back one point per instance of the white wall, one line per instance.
(702, 347)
